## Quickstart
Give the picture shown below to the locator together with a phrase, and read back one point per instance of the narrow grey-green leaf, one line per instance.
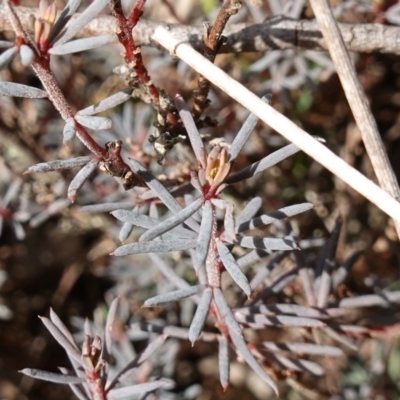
(245, 132)
(251, 257)
(4, 44)
(78, 390)
(263, 164)
(223, 362)
(200, 316)
(266, 243)
(58, 165)
(105, 207)
(27, 55)
(53, 208)
(112, 313)
(383, 299)
(341, 273)
(156, 246)
(172, 222)
(244, 352)
(69, 130)
(78, 45)
(90, 13)
(128, 391)
(171, 297)
(204, 238)
(296, 364)
(51, 376)
(12, 89)
(293, 309)
(7, 56)
(191, 129)
(226, 312)
(274, 216)
(259, 321)
(107, 103)
(144, 221)
(304, 348)
(125, 231)
(64, 330)
(93, 122)
(162, 193)
(140, 358)
(168, 272)
(61, 339)
(66, 14)
(80, 178)
(340, 338)
(231, 266)
(249, 211)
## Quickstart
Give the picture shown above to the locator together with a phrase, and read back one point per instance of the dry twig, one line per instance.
(280, 123)
(275, 33)
(357, 100)
(213, 40)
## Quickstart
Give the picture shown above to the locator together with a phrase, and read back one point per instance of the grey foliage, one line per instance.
(223, 362)
(58, 165)
(249, 211)
(78, 45)
(232, 267)
(107, 103)
(244, 133)
(105, 207)
(201, 315)
(277, 215)
(203, 241)
(69, 130)
(95, 123)
(144, 221)
(5, 44)
(157, 246)
(266, 243)
(72, 29)
(172, 222)
(80, 178)
(51, 376)
(27, 55)
(7, 56)
(173, 296)
(17, 90)
(66, 14)
(262, 165)
(122, 393)
(191, 129)
(94, 375)
(304, 348)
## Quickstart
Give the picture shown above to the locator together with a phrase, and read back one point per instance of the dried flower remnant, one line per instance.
(92, 363)
(44, 24)
(114, 166)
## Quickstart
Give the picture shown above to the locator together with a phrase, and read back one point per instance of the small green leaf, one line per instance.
(208, 5)
(304, 101)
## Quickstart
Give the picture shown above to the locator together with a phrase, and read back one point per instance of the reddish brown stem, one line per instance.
(136, 13)
(42, 69)
(213, 40)
(134, 59)
(133, 56)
